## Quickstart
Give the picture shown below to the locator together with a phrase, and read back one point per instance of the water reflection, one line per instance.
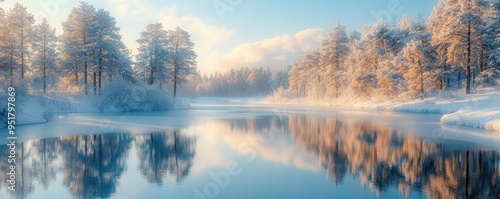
(385, 158)
(91, 165)
(165, 155)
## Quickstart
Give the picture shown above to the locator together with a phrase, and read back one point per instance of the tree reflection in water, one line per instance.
(385, 158)
(165, 155)
(382, 157)
(92, 164)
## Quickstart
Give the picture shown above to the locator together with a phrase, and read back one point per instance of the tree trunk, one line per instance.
(443, 76)
(85, 81)
(100, 69)
(44, 64)
(85, 72)
(481, 61)
(175, 67)
(175, 81)
(421, 79)
(22, 49)
(44, 76)
(467, 91)
(151, 77)
(95, 83)
(76, 74)
(100, 77)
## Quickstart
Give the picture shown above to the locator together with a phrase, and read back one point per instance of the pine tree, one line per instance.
(153, 56)
(182, 57)
(297, 83)
(44, 50)
(18, 29)
(420, 58)
(491, 39)
(110, 56)
(334, 52)
(458, 27)
(4, 66)
(77, 40)
(361, 62)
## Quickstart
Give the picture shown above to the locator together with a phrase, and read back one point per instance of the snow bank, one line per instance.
(484, 113)
(32, 112)
(44, 108)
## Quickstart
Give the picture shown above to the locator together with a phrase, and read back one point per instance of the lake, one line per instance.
(233, 149)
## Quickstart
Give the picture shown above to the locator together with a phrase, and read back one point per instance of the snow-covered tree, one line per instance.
(492, 39)
(362, 67)
(110, 56)
(297, 83)
(4, 58)
(45, 57)
(153, 56)
(458, 26)
(18, 29)
(420, 58)
(334, 51)
(77, 40)
(312, 75)
(182, 57)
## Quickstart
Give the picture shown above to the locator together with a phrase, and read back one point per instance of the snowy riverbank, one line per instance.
(37, 110)
(480, 109)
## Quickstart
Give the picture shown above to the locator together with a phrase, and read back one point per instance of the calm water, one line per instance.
(239, 151)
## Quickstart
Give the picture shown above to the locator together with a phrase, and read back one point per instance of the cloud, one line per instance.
(275, 51)
(207, 36)
(204, 34)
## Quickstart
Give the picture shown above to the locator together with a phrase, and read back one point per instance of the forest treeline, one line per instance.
(456, 47)
(89, 55)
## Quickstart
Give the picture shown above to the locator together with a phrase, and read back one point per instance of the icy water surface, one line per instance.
(233, 150)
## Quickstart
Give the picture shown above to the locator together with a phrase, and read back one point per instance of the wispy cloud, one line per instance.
(269, 52)
(206, 35)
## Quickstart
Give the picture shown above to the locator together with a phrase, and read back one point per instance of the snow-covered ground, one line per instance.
(480, 109)
(41, 109)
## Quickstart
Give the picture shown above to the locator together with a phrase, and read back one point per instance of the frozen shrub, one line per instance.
(123, 96)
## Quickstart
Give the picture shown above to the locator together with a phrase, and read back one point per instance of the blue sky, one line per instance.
(234, 33)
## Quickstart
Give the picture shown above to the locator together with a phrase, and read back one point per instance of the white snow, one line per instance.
(30, 112)
(37, 110)
(479, 110)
